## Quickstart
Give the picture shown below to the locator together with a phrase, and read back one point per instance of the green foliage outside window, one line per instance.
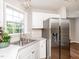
(13, 27)
(9, 28)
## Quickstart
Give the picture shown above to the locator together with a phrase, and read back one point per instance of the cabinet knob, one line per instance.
(33, 52)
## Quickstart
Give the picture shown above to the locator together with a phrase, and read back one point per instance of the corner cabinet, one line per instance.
(31, 52)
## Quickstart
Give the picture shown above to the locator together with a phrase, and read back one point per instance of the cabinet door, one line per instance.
(37, 20)
(28, 56)
(35, 51)
(31, 52)
(35, 54)
(43, 49)
(37, 23)
(25, 53)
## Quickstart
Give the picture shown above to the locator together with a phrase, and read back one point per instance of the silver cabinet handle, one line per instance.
(33, 52)
(1, 55)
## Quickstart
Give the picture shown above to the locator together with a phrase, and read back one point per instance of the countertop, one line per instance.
(11, 51)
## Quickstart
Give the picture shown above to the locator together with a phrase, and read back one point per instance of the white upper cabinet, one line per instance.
(38, 17)
(37, 20)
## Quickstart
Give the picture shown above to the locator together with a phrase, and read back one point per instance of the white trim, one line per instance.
(74, 42)
(14, 34)
(16, 8)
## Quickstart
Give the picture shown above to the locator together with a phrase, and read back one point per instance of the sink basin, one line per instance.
(24, 42)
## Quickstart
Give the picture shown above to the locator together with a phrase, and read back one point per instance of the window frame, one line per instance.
(15, 9)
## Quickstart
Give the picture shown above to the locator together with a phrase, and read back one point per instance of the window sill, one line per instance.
(14, 34)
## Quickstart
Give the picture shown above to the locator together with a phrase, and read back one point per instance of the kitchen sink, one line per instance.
(23, 42)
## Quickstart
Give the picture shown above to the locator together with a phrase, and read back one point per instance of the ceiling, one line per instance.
(47, 4)
(72, 5)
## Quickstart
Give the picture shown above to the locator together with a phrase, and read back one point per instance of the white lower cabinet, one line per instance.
(25, 54)
(35, 54)
(31, 52)
(43, 49)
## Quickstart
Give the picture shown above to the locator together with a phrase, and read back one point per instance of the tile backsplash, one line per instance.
(37, 33)
(15, 38)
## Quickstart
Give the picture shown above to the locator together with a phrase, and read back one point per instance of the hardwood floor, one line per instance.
(55, 53)
(74, 52)
(63, 54)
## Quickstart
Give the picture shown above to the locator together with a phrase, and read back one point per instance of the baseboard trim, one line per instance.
(46, 58)
(42, 58)
(74, 42)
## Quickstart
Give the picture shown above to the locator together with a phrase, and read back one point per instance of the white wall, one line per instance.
(37, 33)
(72, 29)
(73, 14)
(62, 12)
(77, 30)
(1, 13)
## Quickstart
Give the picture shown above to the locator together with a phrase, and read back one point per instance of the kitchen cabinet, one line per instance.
(37, 23)
(31, 52)
(2, 56)
(25, 54)
(35, 51)
(9, 52)
(35, 54)
(43, 48)
(37, 20)
(39, 17)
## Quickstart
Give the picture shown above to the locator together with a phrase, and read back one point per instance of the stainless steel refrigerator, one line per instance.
(56, 31)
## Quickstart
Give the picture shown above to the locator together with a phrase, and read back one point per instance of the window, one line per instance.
(14, 21)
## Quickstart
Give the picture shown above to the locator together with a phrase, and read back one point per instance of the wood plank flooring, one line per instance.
(64, 54)
(54, 53)
(74, 52)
